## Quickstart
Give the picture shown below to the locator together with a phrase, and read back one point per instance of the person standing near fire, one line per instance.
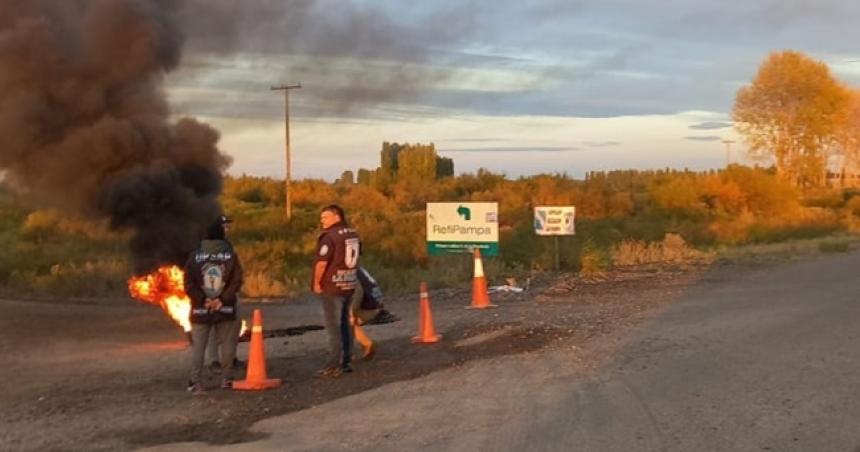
(334, 280)
(213, 277)
(213, 347)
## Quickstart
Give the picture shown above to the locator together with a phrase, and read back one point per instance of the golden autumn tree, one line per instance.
(790, 114)
(848, 140)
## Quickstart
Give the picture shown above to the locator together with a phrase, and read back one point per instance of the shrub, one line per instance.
(771, 233)
(92, 278)
(592, 259)
(853, 206)
(42, 225)
(680, 195)
(261, 284)
(731, 231)
(765, 193)
(833, 247)
(623, 218)
(249, 189)
(825, 198)
(673, 249)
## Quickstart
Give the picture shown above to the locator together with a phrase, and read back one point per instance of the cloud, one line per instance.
(332, 28)
(711, 125)
(364, 59)
(517, 149)
(601, 144)
(349, 54)
(704, 138)
(473, 140)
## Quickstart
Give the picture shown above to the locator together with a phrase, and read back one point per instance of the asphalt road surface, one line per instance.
(763, 360)
(767, 362)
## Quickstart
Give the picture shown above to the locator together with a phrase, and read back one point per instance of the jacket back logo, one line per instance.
(213, 279)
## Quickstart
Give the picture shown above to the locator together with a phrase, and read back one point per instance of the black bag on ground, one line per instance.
(372, 298)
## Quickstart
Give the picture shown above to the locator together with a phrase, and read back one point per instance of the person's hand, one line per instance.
(217, 304)
(208, 303)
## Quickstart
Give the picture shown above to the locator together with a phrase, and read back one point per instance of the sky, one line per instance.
(520, 88)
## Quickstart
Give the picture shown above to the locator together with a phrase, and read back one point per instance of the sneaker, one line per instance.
(329, 372)
(226, 384)
(383, 317)
(346, 368)
(195, 388)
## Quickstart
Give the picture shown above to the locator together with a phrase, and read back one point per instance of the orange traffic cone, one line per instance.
(256, 378)
(426, 332)
(480, 297)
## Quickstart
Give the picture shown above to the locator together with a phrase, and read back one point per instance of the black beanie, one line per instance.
(215, 231)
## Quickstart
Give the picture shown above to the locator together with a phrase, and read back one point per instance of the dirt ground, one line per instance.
(111, 374)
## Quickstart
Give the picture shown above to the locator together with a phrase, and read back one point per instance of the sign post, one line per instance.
(460, 227)
(555, 221)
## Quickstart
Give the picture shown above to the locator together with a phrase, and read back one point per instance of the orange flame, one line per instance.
(165, 287)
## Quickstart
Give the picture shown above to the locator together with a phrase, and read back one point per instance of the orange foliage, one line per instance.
(679, 195)
(312, 192)
(790, 114)
(723, 196)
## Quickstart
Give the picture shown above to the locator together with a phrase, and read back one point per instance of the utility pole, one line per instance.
(728, 144)
(286, 89)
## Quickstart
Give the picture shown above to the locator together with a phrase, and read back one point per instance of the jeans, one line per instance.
(336, 312)
(226, 332)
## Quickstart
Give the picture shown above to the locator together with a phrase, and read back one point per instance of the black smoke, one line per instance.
(350, 56)
(85, 124)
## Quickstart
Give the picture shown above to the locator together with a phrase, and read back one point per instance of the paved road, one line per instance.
(768, 360)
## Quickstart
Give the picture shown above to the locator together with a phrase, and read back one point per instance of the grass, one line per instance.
(832, 246)
(46, 252)
(839, 242)
(673, 249)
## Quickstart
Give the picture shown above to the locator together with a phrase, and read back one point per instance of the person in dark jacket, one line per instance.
(366, 305)
(213, 348)
(213, 277)
(334, 281)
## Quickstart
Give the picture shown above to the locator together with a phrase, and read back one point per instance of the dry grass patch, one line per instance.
(673, 249)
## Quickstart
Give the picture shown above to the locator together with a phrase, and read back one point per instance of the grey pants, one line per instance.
(213, 348)
(336, 313)
(228, 337)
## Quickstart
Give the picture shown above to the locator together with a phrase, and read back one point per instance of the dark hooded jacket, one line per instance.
(371, 297)
(213, 271)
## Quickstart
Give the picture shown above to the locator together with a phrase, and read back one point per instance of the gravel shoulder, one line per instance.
(110, 374)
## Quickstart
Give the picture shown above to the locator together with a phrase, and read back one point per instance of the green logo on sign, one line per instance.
(465, 212)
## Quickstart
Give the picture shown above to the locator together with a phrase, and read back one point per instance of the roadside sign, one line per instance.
(555, 220)
(459, 227)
